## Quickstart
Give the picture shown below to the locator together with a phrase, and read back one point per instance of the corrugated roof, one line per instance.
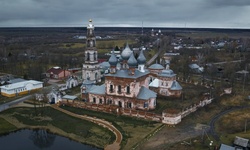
(97, 89)
(226, 147)
(145, 93)
(16, 80)
(69, 97)
(241, 141)
(175, 86)
(125, 74)
(19, 84)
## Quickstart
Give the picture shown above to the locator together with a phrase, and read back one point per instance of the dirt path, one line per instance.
(104, 123)
(169, 135)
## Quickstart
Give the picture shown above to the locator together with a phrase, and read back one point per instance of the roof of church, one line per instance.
(69, 97)
(156, 66)
(105, 64)
(125, 74)
(132, 62)
(141, 58)
(88, 82)
(126, 52)
(146, 94)
(154, 83)
(167, 73)
(97, 89)
(175, 86)
(113, 60)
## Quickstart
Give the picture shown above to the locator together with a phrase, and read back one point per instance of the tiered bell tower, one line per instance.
(91, 68)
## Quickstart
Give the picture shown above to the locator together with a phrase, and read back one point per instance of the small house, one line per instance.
(57, 73)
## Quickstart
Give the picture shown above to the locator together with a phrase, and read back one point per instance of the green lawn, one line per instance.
(6, 127)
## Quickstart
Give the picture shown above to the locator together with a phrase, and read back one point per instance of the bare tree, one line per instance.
(200, 58)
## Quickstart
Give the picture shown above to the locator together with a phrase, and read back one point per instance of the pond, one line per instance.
(39, 139)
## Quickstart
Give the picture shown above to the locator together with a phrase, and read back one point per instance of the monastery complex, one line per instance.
(127, 86)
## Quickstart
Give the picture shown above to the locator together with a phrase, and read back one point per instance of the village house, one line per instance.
(57, 73)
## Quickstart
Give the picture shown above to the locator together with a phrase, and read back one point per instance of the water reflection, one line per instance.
(39, 139)
(42, 139)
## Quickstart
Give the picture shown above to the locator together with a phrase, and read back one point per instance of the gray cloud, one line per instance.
(165, 13)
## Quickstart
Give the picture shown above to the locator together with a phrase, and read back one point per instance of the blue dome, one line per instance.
(132, 62)
(126, 53)
(141, 58)
(156, 66)
(169, 72)
(113, 60)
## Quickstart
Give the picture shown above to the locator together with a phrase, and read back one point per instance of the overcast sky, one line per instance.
(153, 13)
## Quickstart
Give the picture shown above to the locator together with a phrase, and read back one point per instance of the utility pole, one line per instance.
(245, 72)
(246, 126)
(142, 28)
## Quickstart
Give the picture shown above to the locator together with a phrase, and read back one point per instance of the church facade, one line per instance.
(91, 67)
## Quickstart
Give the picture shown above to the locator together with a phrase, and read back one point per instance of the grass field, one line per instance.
(6, 127)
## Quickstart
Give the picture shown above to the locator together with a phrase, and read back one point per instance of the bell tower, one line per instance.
(91, 68)
(91, 51)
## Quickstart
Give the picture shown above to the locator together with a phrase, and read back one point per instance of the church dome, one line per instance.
(168, 72)
(141, 58)
(156, 66)
(126, 52)
(132, 62)
(113, 60)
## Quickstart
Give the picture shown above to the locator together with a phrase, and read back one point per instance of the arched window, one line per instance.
(88, 55)
(96, 76)
(88, 43)
(111, 88)
(119, 88)
(128, 89)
